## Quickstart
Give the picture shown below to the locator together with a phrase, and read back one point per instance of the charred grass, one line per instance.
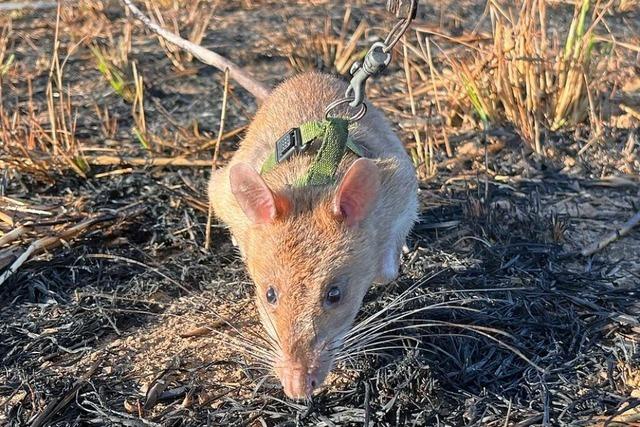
(522, 123)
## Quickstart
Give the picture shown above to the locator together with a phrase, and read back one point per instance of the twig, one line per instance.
(7, 219)
(49, 242)
(611, 237)
(367, 404)
(224, 137)
(630, 111)
(629, 46)
(198, 331)
(429, 58)
(207, 56)
(7, 256)
(105, 160)
(223, 115)
(23, 209)
(12, 6)
(114, 172)
(12, 235)
(141, 161)
(110, 416)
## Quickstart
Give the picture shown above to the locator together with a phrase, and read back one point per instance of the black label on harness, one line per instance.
(289, 143)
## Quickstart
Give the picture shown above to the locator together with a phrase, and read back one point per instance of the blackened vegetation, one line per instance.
(520, 330)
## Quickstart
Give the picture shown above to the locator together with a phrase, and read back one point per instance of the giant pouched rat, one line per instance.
(312, 251)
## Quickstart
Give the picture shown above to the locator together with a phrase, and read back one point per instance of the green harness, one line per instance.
(334, 133)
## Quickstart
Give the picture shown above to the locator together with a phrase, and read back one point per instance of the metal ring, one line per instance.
(360, 114)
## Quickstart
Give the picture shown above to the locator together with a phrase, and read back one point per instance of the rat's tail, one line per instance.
(207, 56)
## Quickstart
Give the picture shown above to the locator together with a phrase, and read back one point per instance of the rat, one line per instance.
(312, 251)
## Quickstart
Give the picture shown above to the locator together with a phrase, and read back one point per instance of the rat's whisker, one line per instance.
(248, 351)
(224, 321)
(372, 353)
(246, 347)
(274, 341)
(481, 330)
(367, 323)
(349, 360)
(253, 345)
(262, 366)
(377, 348)
(264, 341)
(400, 299)
(358, 334)
(357, 350)
(270, 343)
(333, 346)
(253, 340)
(372, 331)
(385, 333)
(386, 338)
(395, 338)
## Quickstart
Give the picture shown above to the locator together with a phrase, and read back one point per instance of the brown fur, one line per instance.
(307, 249)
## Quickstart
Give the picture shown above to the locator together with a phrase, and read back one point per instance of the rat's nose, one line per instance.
(298, 382)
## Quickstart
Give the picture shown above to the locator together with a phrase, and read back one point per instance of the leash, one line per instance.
(378, 57)
(333, 130)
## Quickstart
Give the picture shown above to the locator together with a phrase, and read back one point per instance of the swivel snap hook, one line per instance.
(373, 64)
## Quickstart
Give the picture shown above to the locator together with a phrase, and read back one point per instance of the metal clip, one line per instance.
(374, 63)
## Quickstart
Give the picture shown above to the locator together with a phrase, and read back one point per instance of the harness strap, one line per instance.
(334, 134)
(330, 153)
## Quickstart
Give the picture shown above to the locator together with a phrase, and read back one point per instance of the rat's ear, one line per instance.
(256, 200)
(357, 192)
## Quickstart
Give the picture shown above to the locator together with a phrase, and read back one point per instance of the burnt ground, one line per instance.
(129, 322)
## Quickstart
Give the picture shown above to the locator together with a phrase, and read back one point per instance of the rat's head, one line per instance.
(311, 257)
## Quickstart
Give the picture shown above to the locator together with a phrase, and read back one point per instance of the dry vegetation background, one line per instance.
(522, 120)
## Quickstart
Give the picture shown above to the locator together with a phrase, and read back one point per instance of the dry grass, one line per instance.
(38, 141)
(536, 83)
(335, 50)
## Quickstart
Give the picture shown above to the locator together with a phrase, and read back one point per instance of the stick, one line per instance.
(207, 56)
(630, 110)
(77, 230)
(613, 236)
(105, 160)
(7, 219)
(141, 161)
(12, 6)
(214, 162)
(12, 235)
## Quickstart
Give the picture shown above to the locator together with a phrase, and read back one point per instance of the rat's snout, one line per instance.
(298, 380)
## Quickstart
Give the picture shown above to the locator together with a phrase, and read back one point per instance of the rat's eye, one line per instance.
(272, 298)
(334, 295)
